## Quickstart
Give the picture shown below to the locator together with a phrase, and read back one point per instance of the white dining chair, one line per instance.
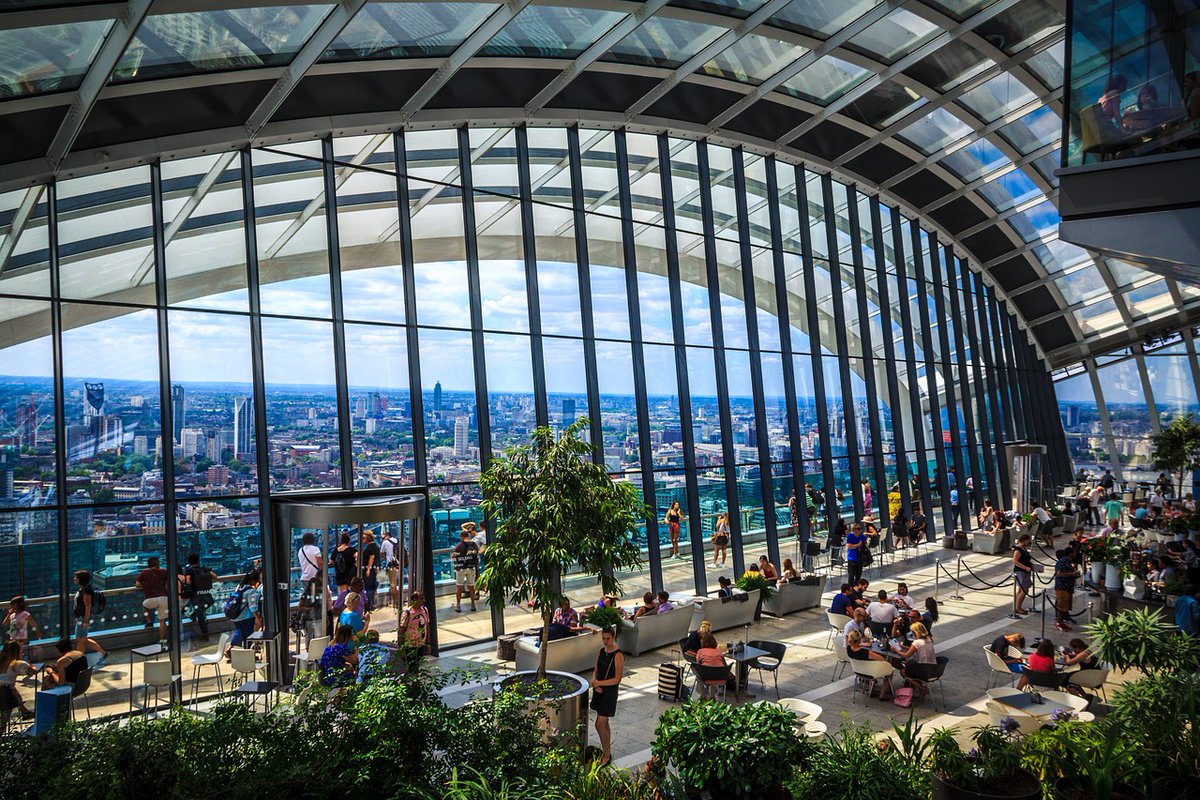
(843, 657)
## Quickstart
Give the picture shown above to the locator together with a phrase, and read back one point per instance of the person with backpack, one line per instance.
(153, 582)
(345, 563)
(88, 601)
(195, 587)
(388, 551)
(370, 569)
(243, 609)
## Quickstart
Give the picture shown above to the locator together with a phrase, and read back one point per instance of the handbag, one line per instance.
(865, 557)
(903, 697)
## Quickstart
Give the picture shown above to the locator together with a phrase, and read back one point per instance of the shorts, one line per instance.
(158, 604)
(1022, 578)
(1063, 600)
(1016, 667)
(81, 629)
(464, 577)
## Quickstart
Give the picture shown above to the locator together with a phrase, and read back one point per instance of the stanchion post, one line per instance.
(1043, 613)
(937, 581)
(957, 579)
(1013, 614)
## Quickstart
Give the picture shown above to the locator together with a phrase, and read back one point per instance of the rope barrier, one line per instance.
(1046, 599)
(985, 586)
(1003, 583)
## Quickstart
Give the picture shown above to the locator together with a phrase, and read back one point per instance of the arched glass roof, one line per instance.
(950, 108)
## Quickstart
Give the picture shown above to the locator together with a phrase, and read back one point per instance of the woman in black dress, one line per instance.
(610, 667)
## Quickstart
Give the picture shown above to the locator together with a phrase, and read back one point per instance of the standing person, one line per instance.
(794, 515)
(674, 520)
(153, 582)
(413, 631)
(1022, 564)
(312, 569)
(84, 605)
(466, 568)
(606, 680)
(854, 542)
(196, 587)
(345, 563)
(246, 614)
(391, 565)
(867, 495)
(899, 529)
(1113, 510)
(1065, 574)
(11, 668)
(18, 621)
(370, 569)
(721, 538)
(1097, 496)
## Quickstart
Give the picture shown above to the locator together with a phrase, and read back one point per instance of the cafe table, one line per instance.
(743, 656)
(1026, 703)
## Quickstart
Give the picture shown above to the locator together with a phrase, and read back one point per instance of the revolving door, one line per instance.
(308, 532)
(1024, 463)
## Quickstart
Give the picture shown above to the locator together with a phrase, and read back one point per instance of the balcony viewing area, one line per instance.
(646, 399)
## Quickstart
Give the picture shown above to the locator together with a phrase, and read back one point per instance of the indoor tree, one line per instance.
(1177, 448)
(552, 507)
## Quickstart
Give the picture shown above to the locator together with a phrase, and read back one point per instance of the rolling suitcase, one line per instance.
(670, 682)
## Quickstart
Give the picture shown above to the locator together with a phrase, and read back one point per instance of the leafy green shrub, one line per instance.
(729, 751)
(751, 581)
(993, 763)
(604, 617)
(851, 765)
(1142, 639)
(1171, 747)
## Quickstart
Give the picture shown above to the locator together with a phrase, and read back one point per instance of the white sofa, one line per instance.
(651, 632)
(571, 654)
(725, 612)
(791, 597)
(992, 542)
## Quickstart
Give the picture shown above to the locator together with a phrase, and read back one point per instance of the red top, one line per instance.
(1041, 663)
(153, 582)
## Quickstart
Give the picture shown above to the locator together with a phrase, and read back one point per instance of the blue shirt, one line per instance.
(853, 538)
(353, 619)
(1187, 615)
(840, 602)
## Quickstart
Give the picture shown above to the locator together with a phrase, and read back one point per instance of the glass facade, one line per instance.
(390, 310)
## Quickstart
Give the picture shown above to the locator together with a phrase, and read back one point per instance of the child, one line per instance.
(18, 620)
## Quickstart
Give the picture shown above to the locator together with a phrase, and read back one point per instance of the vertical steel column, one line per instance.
(641, 401)
(170, 517)
(482, 410)
(839, 334)
(783, 308)
(952, 404)
(992, 373)
(1139, 354)
(1001, 362)
(681, 372)
(342, 388)
(65, 581)
(868, 348)
(541, 403)
(931, 388)
(990, 461)
(968, 501)
(910, 361)
(828, 494)
(1114, 460)
(584, 274)
(765, 471)
(276, 560)
(722, 373)
(895, 403)
(1016, 341)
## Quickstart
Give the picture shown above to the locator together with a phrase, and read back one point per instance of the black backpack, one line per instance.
(202, 579)
(341, 562)
(99, 602)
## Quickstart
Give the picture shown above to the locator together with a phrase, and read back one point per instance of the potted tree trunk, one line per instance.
(553, 508)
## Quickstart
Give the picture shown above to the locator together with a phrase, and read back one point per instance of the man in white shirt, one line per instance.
(858, 623)
(387, 555)
(1157, 502)
(1042, 514)
(881, 611)
(1097, 502)
(309, 557)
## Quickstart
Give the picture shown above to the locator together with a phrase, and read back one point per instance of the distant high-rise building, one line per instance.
(437, 398)
(376, 405)
(178, 412)
(93, 401)
(193, 442)
(27, 425)
(218, 475)
(243, 426)
(460, 436)
(568, 410)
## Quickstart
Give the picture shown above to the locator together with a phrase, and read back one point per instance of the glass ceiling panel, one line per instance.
(1149, 299)
(1082, 284)
(975, 160)
(1048, 65)
(1058, 255)
(1037, 222)
(825, 80)
(884, 104)
(730, 8)
(1099, 317)
(1046, 165)
(664, 42)
(821, 18)
(1036, 129)
(1009, 190)
(551, 32)
(958, 9)
(49, 58)
(996, 97)
(895, 35)
(949, 65)
(935, 130)
(1125, 273)
(753, 59)
(1014, 28)
(407, 30)
(211, 41)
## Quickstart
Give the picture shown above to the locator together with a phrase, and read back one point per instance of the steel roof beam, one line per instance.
(21, 217)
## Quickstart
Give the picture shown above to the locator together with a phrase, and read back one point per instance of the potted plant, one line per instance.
(755, 580)
(854, 763)
(1116, 552)
(1097, 761)
(1170, 741)
(1134, 584)
(1176, 448)
(727, 751)
(990, 769)
(1094, 550)
(1174, 587)
(604, 617)
(554, 508)
(1143, 639)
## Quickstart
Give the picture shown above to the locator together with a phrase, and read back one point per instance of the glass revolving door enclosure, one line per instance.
(1024, 462)
(388, 551)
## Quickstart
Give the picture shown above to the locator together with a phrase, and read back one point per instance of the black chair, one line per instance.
(769, 663)
(683, 651)
(812, 552)
(707, 677)
(880, 630)
(928, 674)
(82, 683)
(1044, 680)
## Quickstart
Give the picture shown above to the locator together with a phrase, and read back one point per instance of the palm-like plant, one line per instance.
(552, 508)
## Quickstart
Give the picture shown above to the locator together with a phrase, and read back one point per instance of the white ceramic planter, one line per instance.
(1112, 577)
(1097, 570)
(1135, 588)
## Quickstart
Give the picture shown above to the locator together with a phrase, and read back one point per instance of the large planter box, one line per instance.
(726, 612)
(992, 543)
(651, 632)
(795, 596)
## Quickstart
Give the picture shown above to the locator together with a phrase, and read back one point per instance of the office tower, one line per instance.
(93, 401)
(192, 442)
(243, 426)
(568, 410)
(437, 398)
(178, 411)
(460, 436)
(27, 425)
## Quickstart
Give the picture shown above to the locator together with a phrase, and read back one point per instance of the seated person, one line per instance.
(564, 621)
(12, 668)
(1079, 654)
(868, 525)
(373, 657)
(859, 595)
(789, 572)
(901, 599)
(902, 627)
(1141, 517)
(339, 662)
(842, 603)
(918, 654)
(930, 615)
(692, 643)
(352, 615)
(917, 526)
(710, 655)
(664, 603)
(726, 585)
(1042, 660)
(67, 669)
(858, 622)
(858, 650)
(649, 606)
(881, 611)
(1002, 643)
(767, 569)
